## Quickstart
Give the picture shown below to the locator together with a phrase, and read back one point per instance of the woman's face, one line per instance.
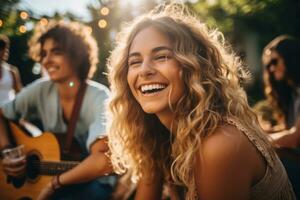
(56, 62)
(154, 75)
(276, 66)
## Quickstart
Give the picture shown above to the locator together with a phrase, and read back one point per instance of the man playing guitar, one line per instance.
(68, 54)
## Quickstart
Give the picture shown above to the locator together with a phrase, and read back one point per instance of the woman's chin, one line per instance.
(150, 109)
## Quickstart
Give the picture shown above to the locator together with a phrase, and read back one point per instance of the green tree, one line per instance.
(267, 18)
(6, 6)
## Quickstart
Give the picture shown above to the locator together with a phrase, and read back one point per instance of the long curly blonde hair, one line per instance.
(212, 77)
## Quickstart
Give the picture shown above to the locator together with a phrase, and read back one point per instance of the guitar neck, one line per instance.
(52, 168)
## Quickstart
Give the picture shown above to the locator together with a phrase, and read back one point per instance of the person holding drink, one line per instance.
(68, 53)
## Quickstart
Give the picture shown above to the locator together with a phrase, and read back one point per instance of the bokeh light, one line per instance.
(104, 11)
(43, 21)
(22, 29)
(102, 23)
(90, 30)
(24, 15)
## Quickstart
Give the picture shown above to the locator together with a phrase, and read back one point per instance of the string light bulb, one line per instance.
(104, 11)
(102, 23)
(22, 29)
(24, 15)
(43, 21)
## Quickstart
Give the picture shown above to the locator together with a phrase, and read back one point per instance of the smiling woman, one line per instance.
(180, 117)
(153, 73)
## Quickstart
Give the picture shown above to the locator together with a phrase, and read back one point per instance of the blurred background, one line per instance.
(248, 25)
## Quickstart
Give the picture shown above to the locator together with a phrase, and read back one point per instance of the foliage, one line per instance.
(267, 18)
(264, 18)
(6, 6)
(18, 41)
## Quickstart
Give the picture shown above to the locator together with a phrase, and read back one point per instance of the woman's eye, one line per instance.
(134, 63)
(162, 58)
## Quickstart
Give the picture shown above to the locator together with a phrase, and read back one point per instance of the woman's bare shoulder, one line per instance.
(226, 138)
(228, 160)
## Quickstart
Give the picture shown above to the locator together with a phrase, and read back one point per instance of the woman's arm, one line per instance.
(288, 138)
(17, 83)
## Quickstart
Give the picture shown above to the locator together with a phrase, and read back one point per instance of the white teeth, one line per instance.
(145, 88)
(51, 69)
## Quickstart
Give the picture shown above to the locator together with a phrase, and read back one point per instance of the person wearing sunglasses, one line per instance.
(282, 87)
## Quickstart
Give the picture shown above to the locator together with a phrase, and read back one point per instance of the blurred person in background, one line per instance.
(282, 87)
(10, 82)
(69, 54)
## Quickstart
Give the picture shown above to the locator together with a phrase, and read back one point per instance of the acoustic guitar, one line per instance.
(43, 161)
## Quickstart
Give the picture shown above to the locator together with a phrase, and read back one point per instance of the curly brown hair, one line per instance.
(74, 39)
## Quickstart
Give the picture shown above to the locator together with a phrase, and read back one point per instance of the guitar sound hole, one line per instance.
(33, 169)
(16, 182)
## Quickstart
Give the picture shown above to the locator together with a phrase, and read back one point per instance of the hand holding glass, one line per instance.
(14, 161)
(16, 153)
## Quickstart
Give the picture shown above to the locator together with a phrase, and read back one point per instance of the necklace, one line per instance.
(71, 84)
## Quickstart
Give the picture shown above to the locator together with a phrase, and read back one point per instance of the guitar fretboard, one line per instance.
(51, 168)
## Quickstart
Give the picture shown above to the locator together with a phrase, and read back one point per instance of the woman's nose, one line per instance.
(147, 68)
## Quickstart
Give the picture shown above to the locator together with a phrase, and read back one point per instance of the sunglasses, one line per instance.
(273, 61)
